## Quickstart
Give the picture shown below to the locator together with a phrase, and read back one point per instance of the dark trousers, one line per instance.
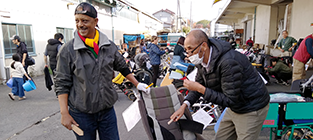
(24, 77)
(104, 122)
(52, 67)
(282, 76)
(155, 69)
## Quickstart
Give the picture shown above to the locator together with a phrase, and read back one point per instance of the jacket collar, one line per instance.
(79, 44)
(219, 48)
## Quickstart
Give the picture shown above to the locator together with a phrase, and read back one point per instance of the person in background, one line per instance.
(17, 74)
(226, 77)
(233, 43)
(21, 50)
(301, 57)
(179, 51)
(132, 51)
(124, 45)
(52, 50)
(250, 42)
(281, 71)
(296, 47)
(138, 49)
(286, 44)
(143, 47)
(123, 49)
(83, 78)
(155, 59)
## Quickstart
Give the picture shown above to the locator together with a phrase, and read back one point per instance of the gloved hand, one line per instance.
(143, 87)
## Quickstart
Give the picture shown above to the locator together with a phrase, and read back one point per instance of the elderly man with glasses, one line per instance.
(226, 77)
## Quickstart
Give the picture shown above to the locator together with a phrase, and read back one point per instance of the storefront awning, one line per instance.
(235, 10)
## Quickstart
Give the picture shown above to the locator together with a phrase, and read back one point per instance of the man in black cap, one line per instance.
(52, 50)
(83, 78)
(21, 50)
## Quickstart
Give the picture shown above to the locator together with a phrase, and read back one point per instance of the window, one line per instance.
(67, 33)
(23, 31)
(129, 14)
(164, 19)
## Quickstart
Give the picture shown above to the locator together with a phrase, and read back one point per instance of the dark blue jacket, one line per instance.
(155, 54)
(231, 81)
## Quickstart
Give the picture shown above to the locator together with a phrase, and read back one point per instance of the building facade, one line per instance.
(36, 21)
(167, 17)
(265, 20)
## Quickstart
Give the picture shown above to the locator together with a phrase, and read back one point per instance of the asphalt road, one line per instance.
(38, 117)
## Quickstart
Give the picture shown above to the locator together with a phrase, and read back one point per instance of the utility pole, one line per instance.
(181, 30)
(177, 18)
(190, 13)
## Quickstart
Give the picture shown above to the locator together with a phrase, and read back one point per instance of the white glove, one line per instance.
(143, 87)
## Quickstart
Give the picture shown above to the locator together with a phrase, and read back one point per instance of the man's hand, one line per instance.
(265, 68)
(194, 86)
(290, 49)
(282, 50)
(166, 50)
(67, 121)
(179, 113)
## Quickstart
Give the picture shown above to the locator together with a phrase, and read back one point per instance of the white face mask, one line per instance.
(194, 59)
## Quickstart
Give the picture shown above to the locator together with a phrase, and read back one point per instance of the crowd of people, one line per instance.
(290, 65)
(83, 69)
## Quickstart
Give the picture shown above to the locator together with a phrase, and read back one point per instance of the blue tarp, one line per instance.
(128, 38)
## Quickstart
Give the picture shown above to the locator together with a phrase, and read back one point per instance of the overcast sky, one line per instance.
(201, 9)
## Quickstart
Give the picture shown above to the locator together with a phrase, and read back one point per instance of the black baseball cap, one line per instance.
(15, 37)
(86, 9)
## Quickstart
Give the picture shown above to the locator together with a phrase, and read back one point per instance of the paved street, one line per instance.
(38, 117)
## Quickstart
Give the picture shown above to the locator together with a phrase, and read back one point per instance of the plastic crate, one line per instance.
(299, 111)
(271, 120)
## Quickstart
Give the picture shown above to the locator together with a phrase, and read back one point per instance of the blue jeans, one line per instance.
(17, 88)
(104, 121)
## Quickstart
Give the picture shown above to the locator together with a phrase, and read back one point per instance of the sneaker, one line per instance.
(22, 98)
(11, 96)
(285, 83)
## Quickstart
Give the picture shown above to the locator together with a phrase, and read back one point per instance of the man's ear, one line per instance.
(96, 20)
(205, 46)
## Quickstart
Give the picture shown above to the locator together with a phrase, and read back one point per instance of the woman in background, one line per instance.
(179, 50)
(155, 59)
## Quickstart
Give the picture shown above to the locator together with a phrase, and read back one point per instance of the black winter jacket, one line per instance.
(52, 51)
(179, 50)
(230, 81)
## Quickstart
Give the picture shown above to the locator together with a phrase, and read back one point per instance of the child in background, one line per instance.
(17, 75)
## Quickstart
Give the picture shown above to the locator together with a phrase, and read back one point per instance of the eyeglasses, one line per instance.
(194, 49)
